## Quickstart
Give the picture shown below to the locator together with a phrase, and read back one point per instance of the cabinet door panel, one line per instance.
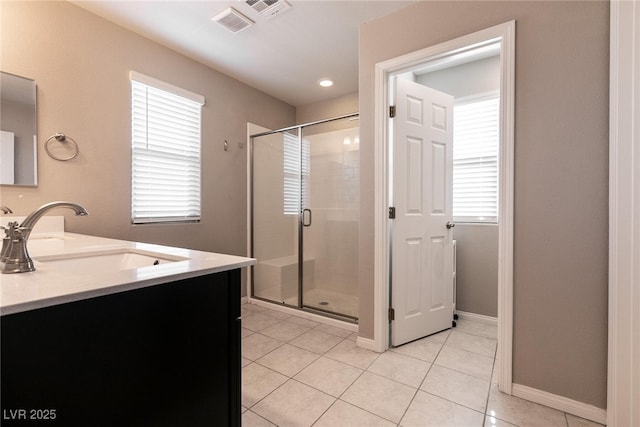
(166, 355)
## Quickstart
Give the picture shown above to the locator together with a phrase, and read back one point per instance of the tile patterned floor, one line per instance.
(297, 372)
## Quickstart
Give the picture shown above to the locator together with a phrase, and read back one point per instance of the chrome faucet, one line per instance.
(5, 242)
(15, 257)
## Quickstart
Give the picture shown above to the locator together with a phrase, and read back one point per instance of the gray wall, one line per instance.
(81, 65)
(477, 268)
(561, 177)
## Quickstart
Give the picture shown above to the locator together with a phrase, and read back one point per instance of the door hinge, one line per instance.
(392, 314)
(392, 212)
(392, 111)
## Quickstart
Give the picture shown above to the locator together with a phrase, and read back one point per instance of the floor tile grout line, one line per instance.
(339, 398)
(392, 380)
(454, 402)
(471, 351)
(258, 415)
(477, 334)
(359, 407)
(286, 375)
(476, 352)
(288, 341)
(462, 372)
(342, 394)
(271, 351)
(281, 385)
(417, 358)
(265, 396)
(444, 398)
(325, 411)
(486, 404)
(346, 363)
(444, 343)
(404, 413)
(466, 373)
(303, 348)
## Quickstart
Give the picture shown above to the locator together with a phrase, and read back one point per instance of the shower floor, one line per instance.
(336, 302)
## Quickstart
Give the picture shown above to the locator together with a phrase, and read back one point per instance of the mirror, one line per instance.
(18, 146)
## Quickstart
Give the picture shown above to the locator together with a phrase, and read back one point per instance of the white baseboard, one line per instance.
(560, 403)
(367, 343)
(480, 318)
(244, 300)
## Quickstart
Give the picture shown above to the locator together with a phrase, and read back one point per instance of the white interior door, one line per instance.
(422, 252)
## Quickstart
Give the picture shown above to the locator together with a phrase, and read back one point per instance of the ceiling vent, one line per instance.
(232, 20)
(269, 8)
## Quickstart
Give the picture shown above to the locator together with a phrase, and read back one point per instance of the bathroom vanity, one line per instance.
(141, 344)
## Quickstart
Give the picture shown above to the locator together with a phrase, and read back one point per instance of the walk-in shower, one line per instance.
(305, 201)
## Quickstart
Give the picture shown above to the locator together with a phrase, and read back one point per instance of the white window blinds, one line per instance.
(165, 141)
(475, 160)
(296, 176)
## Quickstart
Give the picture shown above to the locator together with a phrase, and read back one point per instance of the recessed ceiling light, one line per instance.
(325, 82)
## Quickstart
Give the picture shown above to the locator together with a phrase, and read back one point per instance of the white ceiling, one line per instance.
(284, 55)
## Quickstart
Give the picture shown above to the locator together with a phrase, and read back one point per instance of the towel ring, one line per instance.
(61, 137)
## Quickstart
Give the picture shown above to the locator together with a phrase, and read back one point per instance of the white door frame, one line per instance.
(623, 378)
(383, 71)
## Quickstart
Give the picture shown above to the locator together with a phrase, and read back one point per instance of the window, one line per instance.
(165, 143)
(475, 160)
(292, 176)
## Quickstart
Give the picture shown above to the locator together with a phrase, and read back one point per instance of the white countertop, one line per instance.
(49, 286)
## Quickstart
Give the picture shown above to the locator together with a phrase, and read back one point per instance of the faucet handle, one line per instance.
(13, 232)
(7, 242)
(10, 227)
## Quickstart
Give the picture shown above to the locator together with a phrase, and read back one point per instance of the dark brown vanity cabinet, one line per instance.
(163, 355)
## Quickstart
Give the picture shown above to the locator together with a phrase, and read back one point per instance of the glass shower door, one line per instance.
(330, 217)
(275, 194)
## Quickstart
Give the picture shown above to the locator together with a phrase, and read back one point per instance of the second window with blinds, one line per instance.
(165, 152)
(475, 159)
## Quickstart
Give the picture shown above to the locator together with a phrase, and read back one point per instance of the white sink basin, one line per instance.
(106, 261)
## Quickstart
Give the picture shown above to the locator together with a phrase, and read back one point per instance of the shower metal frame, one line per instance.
(300, 305)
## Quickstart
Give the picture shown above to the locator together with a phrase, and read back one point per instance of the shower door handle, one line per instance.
(306, 223)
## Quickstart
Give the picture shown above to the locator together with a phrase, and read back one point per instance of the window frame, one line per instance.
(162, 152)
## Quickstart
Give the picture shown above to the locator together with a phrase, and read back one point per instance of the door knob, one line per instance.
(450, 225)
